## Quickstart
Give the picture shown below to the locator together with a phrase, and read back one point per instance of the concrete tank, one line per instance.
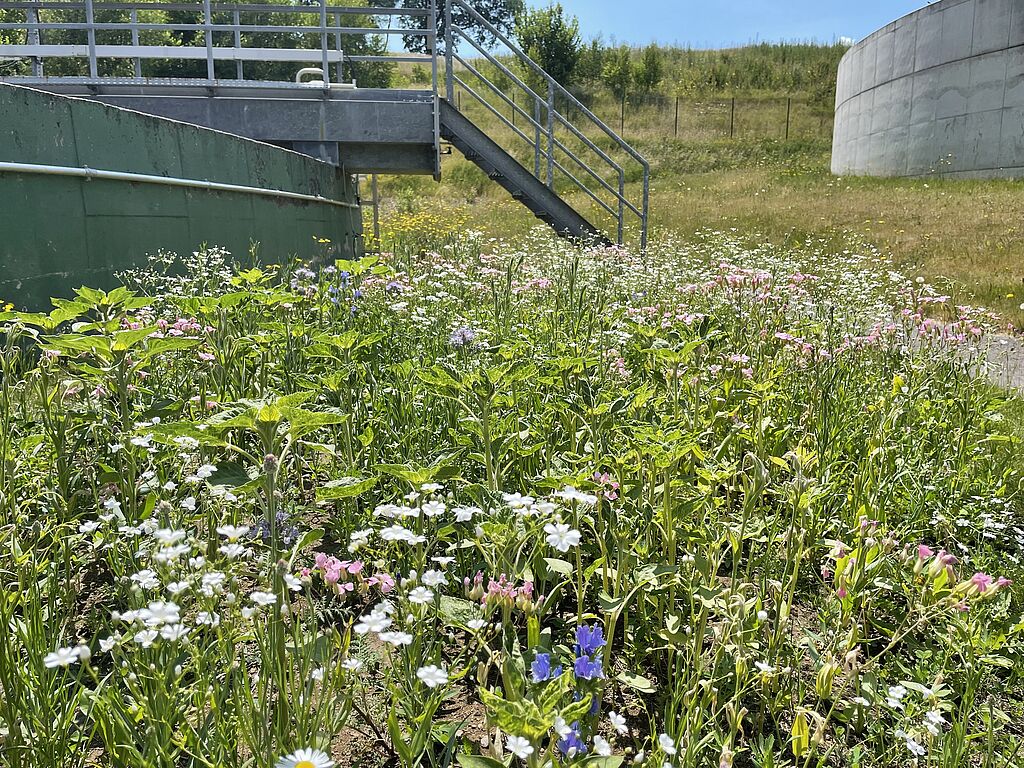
(939, 92)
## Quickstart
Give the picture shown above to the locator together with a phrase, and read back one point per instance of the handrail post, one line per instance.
(551, 133)
(622, 204)
(90, 20)
(536, 139)
(33, 38)
(449, 53)
(236, 18)
(432, 39)
(325, 62)
(134, 17)
(208, 23)
(340, 73)
(645, 224)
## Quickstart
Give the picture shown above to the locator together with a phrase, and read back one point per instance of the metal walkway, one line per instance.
(188, 60)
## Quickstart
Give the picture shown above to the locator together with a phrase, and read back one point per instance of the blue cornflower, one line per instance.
(586, 668)
(462, 337)
(589, 640)
(542, 670)
(571, 744)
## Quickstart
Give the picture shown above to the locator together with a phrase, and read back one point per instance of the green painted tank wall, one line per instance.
(57, 233)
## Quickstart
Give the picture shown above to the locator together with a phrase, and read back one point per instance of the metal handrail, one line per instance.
(547, 108)
(218, 21)
(602, 175)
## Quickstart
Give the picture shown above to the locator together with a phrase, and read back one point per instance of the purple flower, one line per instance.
(587, 669)
(542, 670)
(571, 744)
(589, 639)
(462, 337)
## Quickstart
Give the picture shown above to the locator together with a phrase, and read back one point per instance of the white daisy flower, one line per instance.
(432, 676)
(561, 536)
(305, 758)
(62, 657)
(519, 747)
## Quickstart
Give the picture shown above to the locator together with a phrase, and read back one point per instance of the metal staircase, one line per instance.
(506, 171)
(566, 157)
(530, 134)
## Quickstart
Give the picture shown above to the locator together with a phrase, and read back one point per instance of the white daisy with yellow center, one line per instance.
(306, 758)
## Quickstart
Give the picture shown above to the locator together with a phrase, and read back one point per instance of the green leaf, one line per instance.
(636, 682)
(521, 718)
(309, 538)
(478, 761)
(612, 761)
(230, 474)
(345, 488)
(561, 567)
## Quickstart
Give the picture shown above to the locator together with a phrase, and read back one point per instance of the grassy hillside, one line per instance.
(966, 236)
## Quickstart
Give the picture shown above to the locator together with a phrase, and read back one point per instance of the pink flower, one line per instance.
(982, 581)
(923, 552)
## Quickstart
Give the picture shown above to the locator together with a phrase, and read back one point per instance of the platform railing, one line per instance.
(583, 154)
(561, 148)
(218, 34)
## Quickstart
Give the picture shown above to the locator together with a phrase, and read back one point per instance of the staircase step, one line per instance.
(514, 177)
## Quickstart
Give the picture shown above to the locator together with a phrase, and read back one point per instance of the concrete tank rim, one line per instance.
(891, 26)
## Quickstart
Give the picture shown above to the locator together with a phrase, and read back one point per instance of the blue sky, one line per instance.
(722, 23)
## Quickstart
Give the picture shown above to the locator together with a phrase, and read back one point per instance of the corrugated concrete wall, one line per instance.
(57, 233)
(937, 93)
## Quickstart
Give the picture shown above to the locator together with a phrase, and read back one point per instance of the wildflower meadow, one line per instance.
(482, 503)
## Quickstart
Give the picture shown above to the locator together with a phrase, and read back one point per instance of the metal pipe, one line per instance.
(165, 181)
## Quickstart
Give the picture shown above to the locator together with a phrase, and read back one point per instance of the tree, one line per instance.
(501, 14)
(618, 76)
(591, 62)
(618, 72)
(650, 71)
(551, 39)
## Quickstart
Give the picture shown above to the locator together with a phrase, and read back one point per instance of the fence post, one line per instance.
(676, 131)
(236, 19)
(622, 115)
(513, 109)
(90, 20)
(732, 119)
(789, 111)
(32, 17)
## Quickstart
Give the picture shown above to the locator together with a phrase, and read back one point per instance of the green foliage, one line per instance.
(552, 40)
(499, 13)
(617, 73)
(649, 70)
